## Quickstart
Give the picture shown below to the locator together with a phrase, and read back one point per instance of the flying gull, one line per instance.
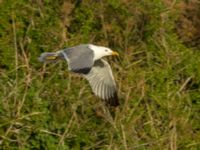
(86, 59)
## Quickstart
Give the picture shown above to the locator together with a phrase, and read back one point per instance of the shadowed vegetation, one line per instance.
(158, 75)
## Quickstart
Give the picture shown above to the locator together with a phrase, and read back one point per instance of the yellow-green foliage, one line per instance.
(47, 107)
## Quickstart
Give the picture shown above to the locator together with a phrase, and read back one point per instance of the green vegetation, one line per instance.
(158, 75)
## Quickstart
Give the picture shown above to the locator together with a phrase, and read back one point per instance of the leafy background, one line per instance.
(158, 75)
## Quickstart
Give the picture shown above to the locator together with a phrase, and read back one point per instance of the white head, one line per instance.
(100, 51)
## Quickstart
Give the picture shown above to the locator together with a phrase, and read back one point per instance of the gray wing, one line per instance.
(102, 82)
(80, 58)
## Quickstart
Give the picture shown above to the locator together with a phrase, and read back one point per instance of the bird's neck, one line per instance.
(97, 51)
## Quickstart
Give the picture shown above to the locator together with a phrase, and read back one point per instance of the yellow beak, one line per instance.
(115, 53)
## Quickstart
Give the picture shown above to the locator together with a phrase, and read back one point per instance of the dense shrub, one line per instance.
(158, 75)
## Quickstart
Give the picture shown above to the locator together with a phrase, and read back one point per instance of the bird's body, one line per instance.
(87, 60)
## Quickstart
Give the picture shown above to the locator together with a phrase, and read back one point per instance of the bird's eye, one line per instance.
(106, 50)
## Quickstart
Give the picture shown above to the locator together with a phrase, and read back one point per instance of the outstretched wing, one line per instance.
(102, 82)
(80, 58)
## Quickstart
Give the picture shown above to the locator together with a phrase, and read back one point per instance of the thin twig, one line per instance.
(124, 137)
(49, 132)
(184, 84)
(16, 57)
(28, 80)
(66, 130)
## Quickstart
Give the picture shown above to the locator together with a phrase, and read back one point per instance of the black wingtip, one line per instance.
(113, 101)
(82, 71)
